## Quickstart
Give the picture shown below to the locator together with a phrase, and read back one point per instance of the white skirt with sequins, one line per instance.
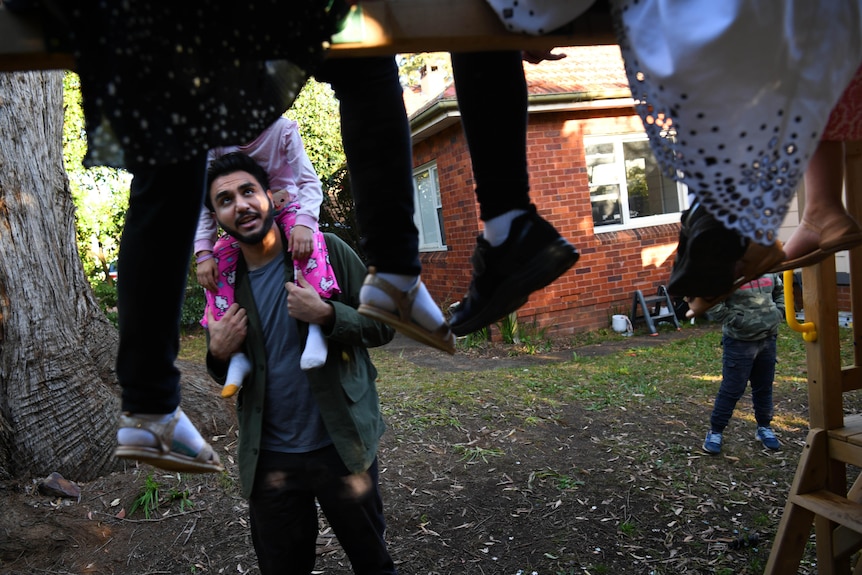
(735, 94)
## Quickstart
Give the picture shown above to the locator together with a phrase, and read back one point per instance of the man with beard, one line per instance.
(304, 435)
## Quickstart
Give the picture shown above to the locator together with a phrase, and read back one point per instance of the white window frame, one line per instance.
(627, 222)
(428, 214)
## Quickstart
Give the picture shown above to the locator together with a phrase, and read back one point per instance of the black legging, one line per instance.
(376, 138)
(164, 204)
(492, 98)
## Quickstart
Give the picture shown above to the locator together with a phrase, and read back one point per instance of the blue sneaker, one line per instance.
(767, 437)
(712, 443)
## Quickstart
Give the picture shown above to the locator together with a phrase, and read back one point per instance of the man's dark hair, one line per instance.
(228, 164)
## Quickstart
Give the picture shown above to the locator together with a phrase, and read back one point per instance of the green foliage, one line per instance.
(226, 482)
(509, 328)
(193, 305)
(106, 295)
(100, 194)
(533, 338)
(193, 302)
(474, 454)
(181, 496)
(148, 498)
(627, 528)
(316, 111)
(562, 481)
(410, 66)
(475, 339)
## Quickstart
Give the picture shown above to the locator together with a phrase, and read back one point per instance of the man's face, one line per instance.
(242, 207)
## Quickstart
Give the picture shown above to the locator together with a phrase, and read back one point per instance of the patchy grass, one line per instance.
(627, 429)
(193, 345)
(586, 464)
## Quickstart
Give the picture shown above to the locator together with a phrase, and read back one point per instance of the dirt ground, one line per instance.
(579, 492)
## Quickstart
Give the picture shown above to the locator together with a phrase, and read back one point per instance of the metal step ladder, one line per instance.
(654, 309)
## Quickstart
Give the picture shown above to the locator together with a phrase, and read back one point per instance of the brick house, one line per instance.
(592, 176)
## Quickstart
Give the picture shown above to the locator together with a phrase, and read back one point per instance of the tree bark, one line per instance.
(59, 400)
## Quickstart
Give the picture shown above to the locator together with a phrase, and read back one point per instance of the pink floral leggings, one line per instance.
(315, 269)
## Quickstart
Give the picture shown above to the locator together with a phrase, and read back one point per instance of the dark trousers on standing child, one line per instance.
(745, 361)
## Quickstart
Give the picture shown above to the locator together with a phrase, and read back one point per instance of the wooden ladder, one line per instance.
(819, 495)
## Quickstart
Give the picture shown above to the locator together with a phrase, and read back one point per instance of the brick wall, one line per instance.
(612, 264)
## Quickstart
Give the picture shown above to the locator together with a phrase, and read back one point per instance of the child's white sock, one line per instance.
(425, 310)
(238, 368)
(184, 433)
(314, 355)
(497, 228)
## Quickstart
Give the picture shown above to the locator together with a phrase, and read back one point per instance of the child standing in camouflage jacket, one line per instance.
(750, 319)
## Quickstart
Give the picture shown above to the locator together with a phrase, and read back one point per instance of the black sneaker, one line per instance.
(532, 256)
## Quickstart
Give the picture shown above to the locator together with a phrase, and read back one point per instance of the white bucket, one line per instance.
(621, 324)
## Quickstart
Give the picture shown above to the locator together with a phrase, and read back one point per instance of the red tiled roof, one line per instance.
(584, 69)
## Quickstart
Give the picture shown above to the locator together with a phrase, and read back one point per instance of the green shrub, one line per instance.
(193, 305)
(106, 295)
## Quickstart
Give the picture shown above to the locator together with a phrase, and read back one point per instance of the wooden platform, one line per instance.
(375, 27)
(405, 26)
(820, 497)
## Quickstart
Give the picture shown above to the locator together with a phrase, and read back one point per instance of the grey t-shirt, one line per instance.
(292, 422)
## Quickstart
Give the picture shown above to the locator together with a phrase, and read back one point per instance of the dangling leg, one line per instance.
(153, 428)
(518, 252)
(376, 137)
(316, 348)
(237, 369)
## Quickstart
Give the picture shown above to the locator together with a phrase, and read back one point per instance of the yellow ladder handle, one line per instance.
(807, 329)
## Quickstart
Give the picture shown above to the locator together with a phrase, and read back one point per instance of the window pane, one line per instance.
(606, 205)
(426, 193)
(649, 191)
(602, 164)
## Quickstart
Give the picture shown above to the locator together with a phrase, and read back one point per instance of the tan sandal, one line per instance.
(757, 260)
(442, 338)
(838, 234)
(164, 456)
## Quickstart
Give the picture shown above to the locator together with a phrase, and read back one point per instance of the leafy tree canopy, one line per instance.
(316, 112)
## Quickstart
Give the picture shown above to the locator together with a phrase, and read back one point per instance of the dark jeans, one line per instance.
(376, 138)
(745, 361)
(284, 522)
(152, 268)
(492, 98)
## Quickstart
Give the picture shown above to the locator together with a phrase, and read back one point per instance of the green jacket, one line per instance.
(754, 311)
(345, 387)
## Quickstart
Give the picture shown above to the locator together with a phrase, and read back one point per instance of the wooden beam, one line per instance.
(375, 27)
(404, 26)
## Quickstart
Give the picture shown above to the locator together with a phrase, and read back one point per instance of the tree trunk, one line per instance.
(59, 398)
(58, 395)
